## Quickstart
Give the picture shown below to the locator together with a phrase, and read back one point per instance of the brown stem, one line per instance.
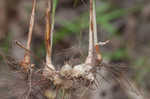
(31, 25)
(48, 34)
(91, 36)
(25, 63)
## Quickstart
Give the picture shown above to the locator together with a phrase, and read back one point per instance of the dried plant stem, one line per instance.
(91, 36)
(49, 35)
(31, 25)
(26, 62)
(93, 54)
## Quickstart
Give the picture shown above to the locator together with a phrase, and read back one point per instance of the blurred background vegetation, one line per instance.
(126, 23)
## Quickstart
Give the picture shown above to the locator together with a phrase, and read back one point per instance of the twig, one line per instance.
(31, 25)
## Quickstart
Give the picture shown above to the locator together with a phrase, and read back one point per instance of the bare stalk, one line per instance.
(93, 53)
(26, 60)
(91, 36)
(49, 35)
(94, 23)
(31, 25)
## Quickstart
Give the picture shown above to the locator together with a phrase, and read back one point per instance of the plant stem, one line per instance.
(93, 53)
(31, 25)
(54, 3)
(91, 36)
(27, 57)
(94, 24)
(49, 34)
